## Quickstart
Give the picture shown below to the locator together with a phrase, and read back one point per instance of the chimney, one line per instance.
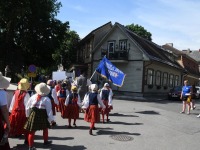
(170, 44)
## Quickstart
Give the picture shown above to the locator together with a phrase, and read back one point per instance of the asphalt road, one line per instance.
(135, 125)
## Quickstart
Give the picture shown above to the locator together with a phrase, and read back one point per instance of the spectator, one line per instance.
(7, 71)
(4, 115)
(82, 85)
(186, 96)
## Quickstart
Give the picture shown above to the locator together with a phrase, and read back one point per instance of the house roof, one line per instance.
(92, 33)
(152, 50)
(174, 50)
(195, 55)
(187, 55)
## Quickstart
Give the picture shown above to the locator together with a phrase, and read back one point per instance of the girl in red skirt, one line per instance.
(17, 110)
(62, 95)
(106, 97)
(92, 114)
(73, 102)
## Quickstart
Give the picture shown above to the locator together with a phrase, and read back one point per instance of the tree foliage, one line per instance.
(68, 50)
(139, 30)
(29, 32)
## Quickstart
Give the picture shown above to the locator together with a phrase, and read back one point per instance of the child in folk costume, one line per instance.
(92, 114)
(53, 97)
(73, 103)
(4, 117)
(106, 96)
(17, 110)
(39, 113)
(57, 88)
(62, 95)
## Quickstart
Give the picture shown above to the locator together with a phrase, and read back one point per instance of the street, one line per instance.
(134, 125)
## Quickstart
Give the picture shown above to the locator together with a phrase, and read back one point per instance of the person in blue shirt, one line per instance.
(186, 96)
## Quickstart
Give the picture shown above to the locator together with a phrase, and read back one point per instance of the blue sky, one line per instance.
(169, 21)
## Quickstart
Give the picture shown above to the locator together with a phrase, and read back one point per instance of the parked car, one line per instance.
(175, 93)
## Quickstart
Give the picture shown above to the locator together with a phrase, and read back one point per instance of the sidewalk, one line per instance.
(134, 125)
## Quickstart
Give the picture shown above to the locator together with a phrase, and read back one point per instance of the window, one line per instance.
(123, 45)
(158, 78)
(176, 80)
(171, 80)
(165, 78)
(150, 76)
(111, 48)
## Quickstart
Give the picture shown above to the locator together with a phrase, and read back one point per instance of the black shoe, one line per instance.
(69, 127)
(108, 120)
(53, 123)
(32, 148)
(90, 132)
(26, 142)
(74, 125)
(46, 143)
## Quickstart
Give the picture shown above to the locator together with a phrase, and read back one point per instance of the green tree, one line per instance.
(29, 32)
(68, 50)
(139, 30)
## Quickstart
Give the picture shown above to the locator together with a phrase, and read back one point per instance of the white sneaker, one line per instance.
(198, 116)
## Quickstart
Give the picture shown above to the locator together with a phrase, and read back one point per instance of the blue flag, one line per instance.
(107, 70)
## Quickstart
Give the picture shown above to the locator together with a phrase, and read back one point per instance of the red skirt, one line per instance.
(62, 107)
(72, 111)
(108, 108)
(17, 122)
(92, 114)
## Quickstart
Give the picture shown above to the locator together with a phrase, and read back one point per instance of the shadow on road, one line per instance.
(121, 115)
(148, 112)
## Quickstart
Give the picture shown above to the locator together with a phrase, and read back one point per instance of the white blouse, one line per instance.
(67, 100)
(86, 101)
(26, 98)
(109, 96)
(43, 103)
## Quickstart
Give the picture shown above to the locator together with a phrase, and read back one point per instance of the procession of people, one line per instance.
(29, 113)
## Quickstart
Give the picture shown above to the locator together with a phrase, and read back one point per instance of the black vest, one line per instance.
(93, 99)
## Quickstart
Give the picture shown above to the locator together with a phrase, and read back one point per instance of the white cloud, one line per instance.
(174, 17)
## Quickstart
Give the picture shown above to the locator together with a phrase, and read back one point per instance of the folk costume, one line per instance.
(106, 97)
(17, 109)
(39, 113)
(72, 103)
(62, 95)
(4, 117)
(53, 97)
(92, 114)
(57, 88)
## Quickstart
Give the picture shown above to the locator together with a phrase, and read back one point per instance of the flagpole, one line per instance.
(92, 75)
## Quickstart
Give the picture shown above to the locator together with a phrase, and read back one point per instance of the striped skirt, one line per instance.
(38, 120)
